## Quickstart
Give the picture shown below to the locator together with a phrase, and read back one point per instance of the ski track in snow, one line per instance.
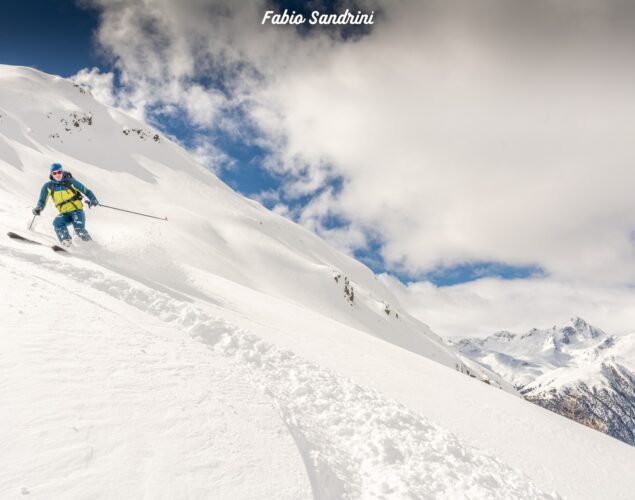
(121, 407)
(355, 442)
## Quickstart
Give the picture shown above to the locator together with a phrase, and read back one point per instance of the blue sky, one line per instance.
(60, 40)
(54, 36)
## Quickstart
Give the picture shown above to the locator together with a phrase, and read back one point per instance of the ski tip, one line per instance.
(16, 236)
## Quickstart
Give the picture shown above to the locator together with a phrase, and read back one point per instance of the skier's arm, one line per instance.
(41, 202)
(84, 190)
(44, 194)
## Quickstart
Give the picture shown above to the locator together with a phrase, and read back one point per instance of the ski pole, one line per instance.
(131, 212)
(32, 221)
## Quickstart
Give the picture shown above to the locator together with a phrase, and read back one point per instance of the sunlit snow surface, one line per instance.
(229, 353)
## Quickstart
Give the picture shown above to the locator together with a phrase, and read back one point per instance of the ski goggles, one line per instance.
(57, 172)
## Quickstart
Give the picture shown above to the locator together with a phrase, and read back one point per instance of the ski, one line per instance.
(15, 236)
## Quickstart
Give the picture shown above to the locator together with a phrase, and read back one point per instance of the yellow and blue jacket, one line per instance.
(66, 194)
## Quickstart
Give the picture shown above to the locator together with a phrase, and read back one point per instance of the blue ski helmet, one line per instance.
(56, 166)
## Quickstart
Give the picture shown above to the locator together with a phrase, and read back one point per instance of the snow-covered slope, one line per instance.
(105, 365)
(211, 229)
(576, 370)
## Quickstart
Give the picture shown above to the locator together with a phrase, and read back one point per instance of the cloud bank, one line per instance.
(457, 131)
(482, 307)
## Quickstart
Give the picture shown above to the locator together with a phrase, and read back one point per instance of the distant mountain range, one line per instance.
(576, 370)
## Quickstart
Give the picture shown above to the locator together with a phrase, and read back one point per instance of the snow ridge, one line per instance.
(355, 442)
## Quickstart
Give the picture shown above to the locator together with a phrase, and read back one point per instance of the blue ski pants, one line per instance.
(77, 219)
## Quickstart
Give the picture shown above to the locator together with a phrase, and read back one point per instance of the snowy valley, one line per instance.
(230, 353)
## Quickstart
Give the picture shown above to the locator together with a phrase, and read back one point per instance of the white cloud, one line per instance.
(102, 87)
(486, 306)
(100, 84)
(281, 209)
(459, 143)
(464, 131)
(202, 105)
(208, 155)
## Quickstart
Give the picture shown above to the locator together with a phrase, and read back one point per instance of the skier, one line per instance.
(66, 193)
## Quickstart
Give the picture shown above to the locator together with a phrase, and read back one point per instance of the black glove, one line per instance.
(92, 204)
(37, 210)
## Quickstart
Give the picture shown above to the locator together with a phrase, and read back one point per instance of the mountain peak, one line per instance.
(574, 369)
(505, 335)
(579, 327)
